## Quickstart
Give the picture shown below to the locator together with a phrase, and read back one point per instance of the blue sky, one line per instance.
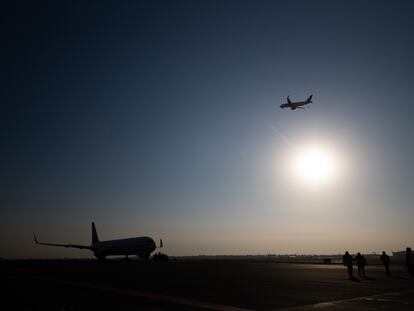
(152, 118)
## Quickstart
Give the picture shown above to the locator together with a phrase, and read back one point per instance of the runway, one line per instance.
(201, 285)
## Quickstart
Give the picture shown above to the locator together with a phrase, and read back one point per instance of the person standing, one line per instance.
(347, 261)
(361, 263)
(385, 259)
(409, 261)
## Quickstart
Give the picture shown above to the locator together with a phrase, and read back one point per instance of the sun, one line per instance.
(314, 165)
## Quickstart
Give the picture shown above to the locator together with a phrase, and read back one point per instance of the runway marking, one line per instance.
(329, 304)
(153, 296)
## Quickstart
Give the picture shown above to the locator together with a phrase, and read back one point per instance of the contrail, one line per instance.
(283, 137)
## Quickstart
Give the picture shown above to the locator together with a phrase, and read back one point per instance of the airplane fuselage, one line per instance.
(141, 246)
(293, 106)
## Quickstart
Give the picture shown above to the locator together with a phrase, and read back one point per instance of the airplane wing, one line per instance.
(61, 245)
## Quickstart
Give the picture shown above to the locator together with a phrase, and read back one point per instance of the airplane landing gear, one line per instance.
(101, 258)
(159, 257)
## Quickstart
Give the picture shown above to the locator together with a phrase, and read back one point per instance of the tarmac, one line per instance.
(224, 285)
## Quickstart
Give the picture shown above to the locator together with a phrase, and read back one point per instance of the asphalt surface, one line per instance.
(200, 285)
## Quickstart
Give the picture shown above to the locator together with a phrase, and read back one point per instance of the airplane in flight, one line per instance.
(140, 246)
(294, 105)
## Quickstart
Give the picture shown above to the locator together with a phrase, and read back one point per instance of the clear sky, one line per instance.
(162, 118)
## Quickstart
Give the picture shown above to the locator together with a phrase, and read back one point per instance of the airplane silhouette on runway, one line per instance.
(140, 246)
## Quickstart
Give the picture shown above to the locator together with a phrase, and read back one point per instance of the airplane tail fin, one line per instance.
(288, 100)
(309, 100)
(95, 238)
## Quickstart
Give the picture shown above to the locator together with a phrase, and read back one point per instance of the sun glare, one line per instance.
(314, 165)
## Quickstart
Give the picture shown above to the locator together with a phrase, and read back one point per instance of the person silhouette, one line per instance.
(361, 263)
(347, 261)
(385, 259)
(409, 260)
